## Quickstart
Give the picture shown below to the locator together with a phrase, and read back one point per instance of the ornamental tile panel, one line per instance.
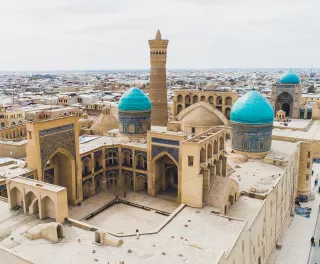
(126, 149)
(137, 152)
(85, 157)
(174, 152)
(166, 141)
(98, 153)
(55, 130)
(142, 175)
(111, 149)
(60, 139)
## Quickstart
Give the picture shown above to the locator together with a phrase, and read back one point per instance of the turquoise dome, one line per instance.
(290, 77)
(252, 108)
(134, 100)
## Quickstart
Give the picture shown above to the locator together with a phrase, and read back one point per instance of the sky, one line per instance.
(113, 34)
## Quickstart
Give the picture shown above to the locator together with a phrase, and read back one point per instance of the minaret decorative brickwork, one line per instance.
(158, 86)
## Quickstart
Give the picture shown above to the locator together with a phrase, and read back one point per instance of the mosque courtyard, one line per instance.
(135, 211)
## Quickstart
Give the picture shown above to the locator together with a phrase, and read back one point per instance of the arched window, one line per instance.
(127, 159)
(202, 155)
(180, 98)
(112, 158)
(187, 100)
(141, 162)
(221, 143)
(210, 100)
(195, 99)
(228, 100)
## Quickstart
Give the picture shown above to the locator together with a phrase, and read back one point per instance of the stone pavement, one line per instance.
(296, 239)
(102, 198)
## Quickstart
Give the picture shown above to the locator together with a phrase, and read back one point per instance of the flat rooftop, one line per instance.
(204, 239)
(257, 176)
(293, 124)
(103, 141)
(245, 208)
(311, 134)
(10, 168)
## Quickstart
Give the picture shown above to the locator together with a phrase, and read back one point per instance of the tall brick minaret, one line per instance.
(158, 86)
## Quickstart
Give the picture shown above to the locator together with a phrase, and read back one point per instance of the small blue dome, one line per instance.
(290, 77)
(252, 108)
(134, 100)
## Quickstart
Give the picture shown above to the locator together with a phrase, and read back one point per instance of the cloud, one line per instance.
(99, 34)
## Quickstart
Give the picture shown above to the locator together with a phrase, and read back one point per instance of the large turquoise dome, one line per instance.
(252, 108)
(290, 77)
(134, 100)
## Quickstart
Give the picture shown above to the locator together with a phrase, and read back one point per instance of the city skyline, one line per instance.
(69, 35)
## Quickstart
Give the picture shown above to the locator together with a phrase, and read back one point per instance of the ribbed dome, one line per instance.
(290, 77)
(134, 100)
(201, 116)
(252, 108)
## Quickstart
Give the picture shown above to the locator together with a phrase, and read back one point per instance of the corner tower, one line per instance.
(158, 86)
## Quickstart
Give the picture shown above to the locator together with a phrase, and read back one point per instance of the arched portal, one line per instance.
(16, 198)
(180, 108)
(63, 171)
(309, 115)
(301, 114)
(32, 204)
(284, 102)
(286, 107)
(166, 176)
(48, 208)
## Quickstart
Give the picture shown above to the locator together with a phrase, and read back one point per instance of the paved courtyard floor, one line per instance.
(124, 219)
(295, 123)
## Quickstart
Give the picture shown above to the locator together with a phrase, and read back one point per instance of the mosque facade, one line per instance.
(287, 96)
(187, 160)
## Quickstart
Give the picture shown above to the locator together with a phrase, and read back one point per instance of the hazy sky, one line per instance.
(113, 34)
